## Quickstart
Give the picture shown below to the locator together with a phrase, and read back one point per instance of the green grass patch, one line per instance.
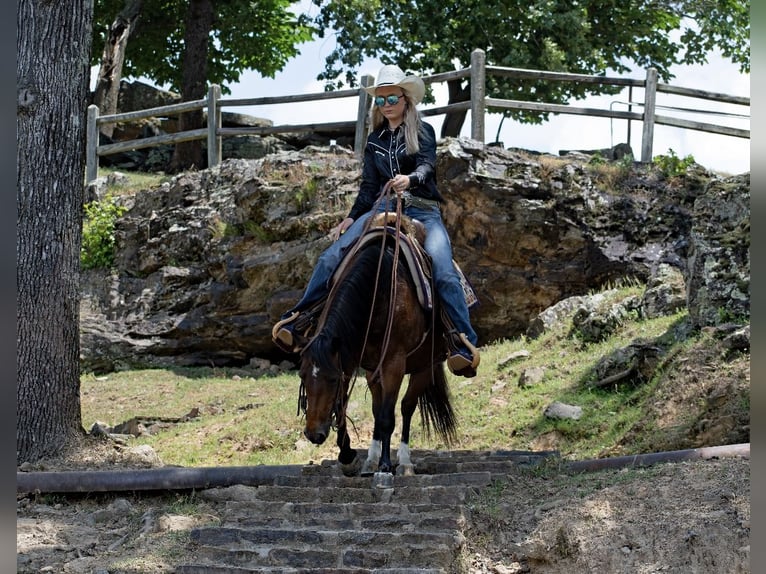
(248, 421)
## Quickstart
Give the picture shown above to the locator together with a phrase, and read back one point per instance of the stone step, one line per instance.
(324, 549)
(481, 454)
(223, 569)
(462, 479)
(406, 494)
(446, 462)
(324, 522)
(379, 516)
(465, 455)
(495, 468)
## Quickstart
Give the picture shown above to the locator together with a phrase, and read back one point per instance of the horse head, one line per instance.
(323, 389)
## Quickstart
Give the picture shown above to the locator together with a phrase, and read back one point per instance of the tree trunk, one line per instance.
(110, 72)
(52, 78)
(453, 121)
(199, 23)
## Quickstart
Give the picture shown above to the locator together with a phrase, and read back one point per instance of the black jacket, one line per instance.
(385, 156)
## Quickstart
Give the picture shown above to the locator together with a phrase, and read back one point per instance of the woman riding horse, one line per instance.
(400, 149)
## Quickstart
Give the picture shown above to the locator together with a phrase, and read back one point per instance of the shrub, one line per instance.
(97, 249)
(671, 165)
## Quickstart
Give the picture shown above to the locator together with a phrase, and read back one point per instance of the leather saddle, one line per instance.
(412, 238)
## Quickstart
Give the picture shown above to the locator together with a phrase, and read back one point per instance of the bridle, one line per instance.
(338, 412)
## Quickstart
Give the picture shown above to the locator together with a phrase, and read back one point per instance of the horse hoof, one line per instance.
(369, 468)
(383, 480)
(405, 470)
(352, 468)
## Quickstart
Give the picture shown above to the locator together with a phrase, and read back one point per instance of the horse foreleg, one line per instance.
(385, 391)
(385, 418)
(370, 465)
(409, 404)
(349, 461)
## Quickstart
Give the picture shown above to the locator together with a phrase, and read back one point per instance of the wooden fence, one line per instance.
(477, 105)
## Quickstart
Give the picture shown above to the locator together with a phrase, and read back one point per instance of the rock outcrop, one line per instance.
(206, 262)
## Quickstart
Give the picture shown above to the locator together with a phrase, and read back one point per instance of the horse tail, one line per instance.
(436, 410)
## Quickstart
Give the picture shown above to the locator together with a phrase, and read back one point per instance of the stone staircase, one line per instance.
(324, 522)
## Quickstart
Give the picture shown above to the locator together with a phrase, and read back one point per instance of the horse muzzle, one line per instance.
(317, 435)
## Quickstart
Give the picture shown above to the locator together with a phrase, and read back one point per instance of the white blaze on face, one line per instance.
(314, 371)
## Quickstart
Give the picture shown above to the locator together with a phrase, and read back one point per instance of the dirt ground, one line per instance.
(682, 517)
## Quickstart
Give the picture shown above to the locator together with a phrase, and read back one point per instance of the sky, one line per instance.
(721, 153)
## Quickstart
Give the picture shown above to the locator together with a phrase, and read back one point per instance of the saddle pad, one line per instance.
(413, 255)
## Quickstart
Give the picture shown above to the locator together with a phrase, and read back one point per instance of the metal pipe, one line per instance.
(725, 451)
(151, 479)
(187, 478)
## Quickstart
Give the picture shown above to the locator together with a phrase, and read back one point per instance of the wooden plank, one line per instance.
(650, 97)
(362, 117)
(435, 111)
(560, 109)
(447, 76)
(152, 141)
(270, 100)
(213, 122)
(329, 127)
(702, 127)
(478, 95)
(703, 95)
(561, 76)
(154, 112)
(91, 145)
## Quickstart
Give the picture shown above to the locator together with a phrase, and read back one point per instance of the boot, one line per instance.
(291, 333)
(463, 358)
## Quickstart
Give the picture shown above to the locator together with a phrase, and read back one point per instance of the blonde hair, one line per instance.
(411, 123)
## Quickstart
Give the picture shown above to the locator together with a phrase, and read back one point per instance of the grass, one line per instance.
(248, 421)
(136, 181)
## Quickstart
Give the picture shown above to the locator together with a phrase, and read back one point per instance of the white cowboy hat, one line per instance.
(392, 75)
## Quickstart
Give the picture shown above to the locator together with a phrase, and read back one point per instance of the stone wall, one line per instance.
(207, 262)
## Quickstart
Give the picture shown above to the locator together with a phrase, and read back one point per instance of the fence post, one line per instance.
(362, 112)
(213, 123)
(91, 145)
(650, 99)
(478, 92)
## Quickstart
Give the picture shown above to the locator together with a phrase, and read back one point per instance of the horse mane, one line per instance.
(345, 327)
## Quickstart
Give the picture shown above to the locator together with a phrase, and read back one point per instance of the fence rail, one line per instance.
(477, 105)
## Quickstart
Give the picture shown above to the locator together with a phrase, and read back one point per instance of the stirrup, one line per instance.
(283, 336)
(459, 363)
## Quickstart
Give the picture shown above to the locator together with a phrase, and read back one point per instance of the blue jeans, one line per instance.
(438, 247)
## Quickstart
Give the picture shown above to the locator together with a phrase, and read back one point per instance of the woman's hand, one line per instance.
(399, 183)
(340, 229)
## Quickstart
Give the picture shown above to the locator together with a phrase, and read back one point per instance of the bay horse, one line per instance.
(373, 319)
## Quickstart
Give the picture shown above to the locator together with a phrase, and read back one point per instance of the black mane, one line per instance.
(349, 311)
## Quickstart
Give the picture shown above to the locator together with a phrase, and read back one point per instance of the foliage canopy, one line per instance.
(588, 37)
(257, 35)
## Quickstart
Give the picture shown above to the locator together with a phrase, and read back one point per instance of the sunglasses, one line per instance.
(393, 99)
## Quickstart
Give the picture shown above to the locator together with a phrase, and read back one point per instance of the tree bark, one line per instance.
(199, 23)
(110, 72)
(453, 121)
(52, 78)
